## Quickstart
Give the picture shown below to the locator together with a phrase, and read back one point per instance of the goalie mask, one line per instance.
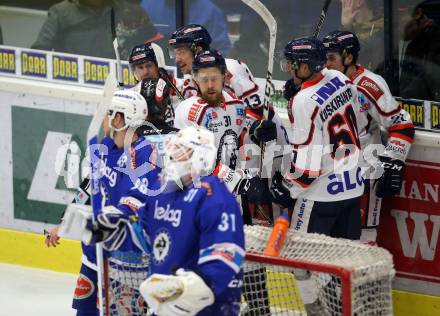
(191, 151)
(132, 105)
(157, 95)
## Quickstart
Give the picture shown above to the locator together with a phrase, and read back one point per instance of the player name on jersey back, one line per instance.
(326, 140)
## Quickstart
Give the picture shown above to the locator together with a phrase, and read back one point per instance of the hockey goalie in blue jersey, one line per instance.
(194, 230)
(196, 234)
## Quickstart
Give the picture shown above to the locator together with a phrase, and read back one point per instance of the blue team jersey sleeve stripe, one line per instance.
(229, 253)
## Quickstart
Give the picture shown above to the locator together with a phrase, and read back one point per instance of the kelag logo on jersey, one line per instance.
(167, 214)
(327, 90)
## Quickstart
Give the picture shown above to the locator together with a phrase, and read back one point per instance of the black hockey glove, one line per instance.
(254, 189)
(280, 194)
(390, 182)
(263, 131)
(290, 89)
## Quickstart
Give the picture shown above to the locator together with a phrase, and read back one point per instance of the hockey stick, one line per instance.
(162, 71)
(321, 18)
(271, 24)
(164, 76)
(116, 49)
(95, 173)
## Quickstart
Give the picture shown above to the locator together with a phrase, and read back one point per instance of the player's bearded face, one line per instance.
(334, 61)
(211, 81)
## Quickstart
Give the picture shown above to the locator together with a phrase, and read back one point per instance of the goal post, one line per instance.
(346, 277)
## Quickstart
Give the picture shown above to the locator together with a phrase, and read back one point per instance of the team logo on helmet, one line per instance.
(302, 47)
(193, 29)
(206, 59)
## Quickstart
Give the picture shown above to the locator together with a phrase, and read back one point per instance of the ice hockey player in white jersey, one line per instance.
(190, 39)
(380, 110)
(324, 181)
(223, 114)
(144, 65)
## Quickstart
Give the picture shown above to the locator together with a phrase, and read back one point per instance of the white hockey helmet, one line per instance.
(191, 151)
(132, 105)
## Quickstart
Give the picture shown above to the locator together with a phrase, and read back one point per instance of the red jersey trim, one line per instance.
(308, 84)
(402, 137)
(312, 128)
(359, 70)
(400, 126)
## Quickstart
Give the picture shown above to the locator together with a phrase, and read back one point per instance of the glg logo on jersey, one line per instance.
(167, 214)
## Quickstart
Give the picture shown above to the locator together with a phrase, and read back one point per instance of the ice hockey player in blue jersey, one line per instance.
(196, 234)
(128, 109)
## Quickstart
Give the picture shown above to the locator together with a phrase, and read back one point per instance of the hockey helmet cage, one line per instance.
(344, 42)
(191, 35)
(307, 50)
(157, 94)
(191, 151)
(209, 58)
(132, 105)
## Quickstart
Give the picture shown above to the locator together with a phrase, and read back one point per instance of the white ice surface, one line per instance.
(35, 292)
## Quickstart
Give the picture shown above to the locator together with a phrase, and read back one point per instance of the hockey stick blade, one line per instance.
(321, 18)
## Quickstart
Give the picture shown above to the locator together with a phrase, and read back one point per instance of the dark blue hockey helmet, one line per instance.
(191, 35)
(343, 42)
(141, 54)
(307, 50)
(209, 58)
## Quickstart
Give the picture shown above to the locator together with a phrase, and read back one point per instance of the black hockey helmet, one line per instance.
(307, 50)
(157, 94)
(209, 58)
(191, 35)
(141, 54)
(343, 42)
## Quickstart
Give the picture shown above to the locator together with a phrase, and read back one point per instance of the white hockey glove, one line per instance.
(74, 222)
(173, 295)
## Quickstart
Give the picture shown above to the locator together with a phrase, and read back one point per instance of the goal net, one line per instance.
(124, 272)
(315, 275)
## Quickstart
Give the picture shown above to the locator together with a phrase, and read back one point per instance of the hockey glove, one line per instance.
(172, 295)
(263, 131)
(280, 194)
(390, 182)
(254, 189)
(290, 89)
(111, 227)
